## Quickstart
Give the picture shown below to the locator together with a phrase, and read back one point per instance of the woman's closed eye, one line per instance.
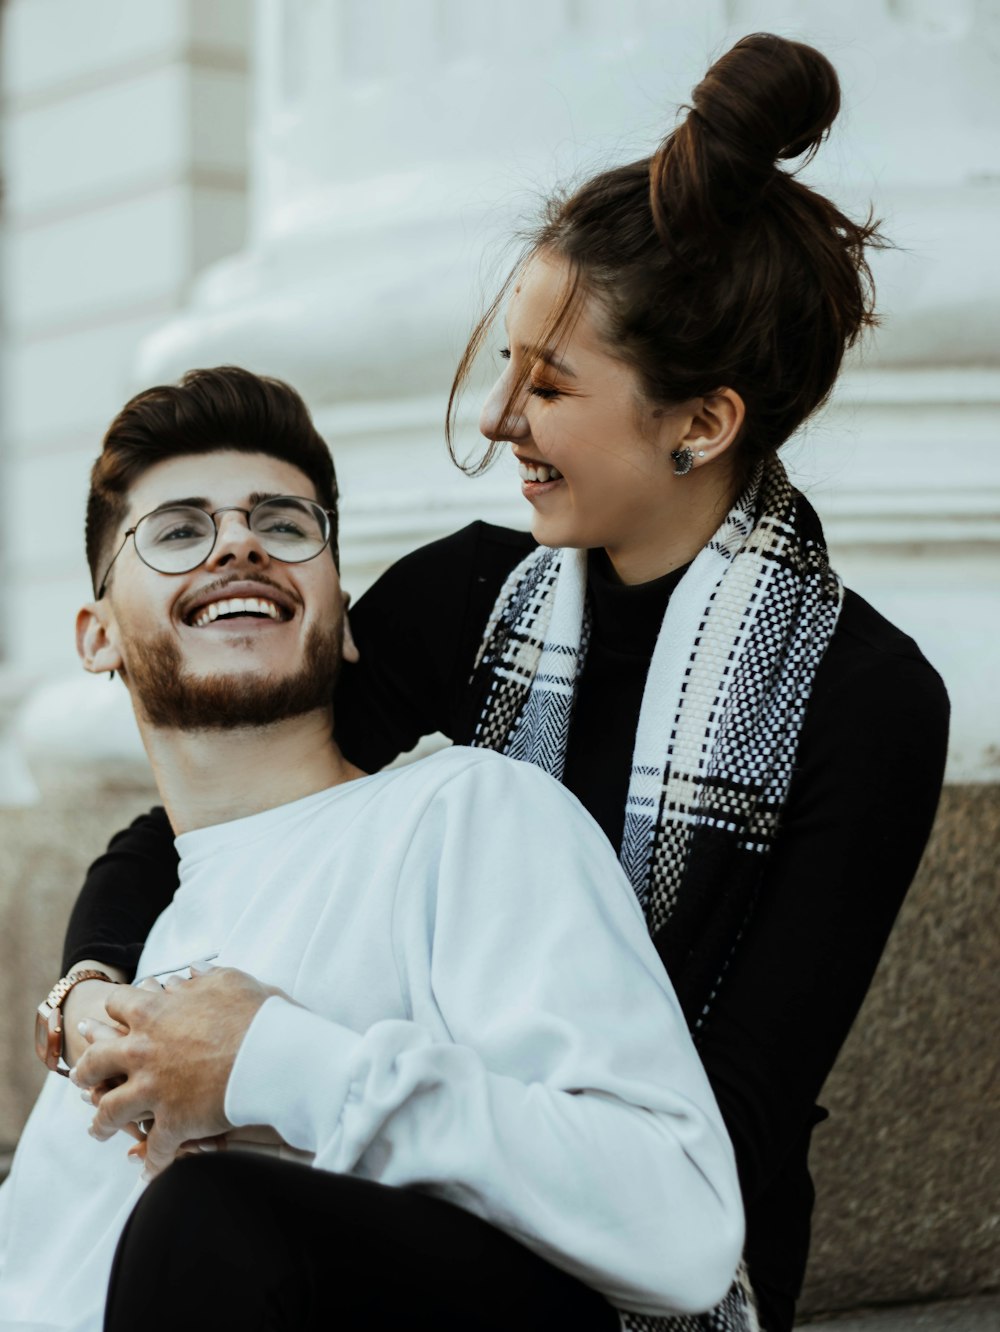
(545, 391)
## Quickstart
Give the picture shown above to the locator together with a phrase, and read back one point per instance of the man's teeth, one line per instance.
(236, 606)
(538, 472)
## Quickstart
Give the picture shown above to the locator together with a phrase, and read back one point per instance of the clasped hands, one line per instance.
(158, 1069)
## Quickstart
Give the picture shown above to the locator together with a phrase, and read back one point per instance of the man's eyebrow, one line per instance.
(189, 501)
(547, 355)
(200, 502)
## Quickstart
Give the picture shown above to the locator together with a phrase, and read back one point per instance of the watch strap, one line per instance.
(48, 1019)
(57, 995)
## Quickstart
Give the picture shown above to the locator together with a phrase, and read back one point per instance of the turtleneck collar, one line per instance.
(626, 617)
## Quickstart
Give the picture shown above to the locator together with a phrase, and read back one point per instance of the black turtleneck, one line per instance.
(625, 620)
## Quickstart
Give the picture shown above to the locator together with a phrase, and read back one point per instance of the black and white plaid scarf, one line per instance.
(725, 697)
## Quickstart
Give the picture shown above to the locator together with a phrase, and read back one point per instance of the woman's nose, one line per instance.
(501, 418)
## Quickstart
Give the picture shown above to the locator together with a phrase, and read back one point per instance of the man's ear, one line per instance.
(94, 640)
(716, 422)
(349, 650)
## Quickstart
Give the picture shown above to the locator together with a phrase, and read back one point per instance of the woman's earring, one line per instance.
(683, 460)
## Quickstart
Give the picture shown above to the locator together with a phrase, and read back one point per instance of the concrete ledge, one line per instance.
(981, 1314)
(907, 1168)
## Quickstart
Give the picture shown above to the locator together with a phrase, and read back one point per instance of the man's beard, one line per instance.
(165, 695)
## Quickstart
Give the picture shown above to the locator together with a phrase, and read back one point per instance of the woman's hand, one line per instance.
(86, 1000)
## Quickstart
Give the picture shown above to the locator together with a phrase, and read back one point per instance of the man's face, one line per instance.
(248, 668)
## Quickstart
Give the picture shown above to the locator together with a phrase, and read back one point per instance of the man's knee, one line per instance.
(200, 1197)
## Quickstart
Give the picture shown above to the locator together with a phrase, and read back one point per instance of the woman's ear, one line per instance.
(715, 426)
(94, 639)
(349, 649)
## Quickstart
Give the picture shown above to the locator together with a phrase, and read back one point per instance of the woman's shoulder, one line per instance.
(866, 641)
(875, 673)
(481, 549)
(449, 585)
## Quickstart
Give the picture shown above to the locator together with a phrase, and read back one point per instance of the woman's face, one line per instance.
(594, 454)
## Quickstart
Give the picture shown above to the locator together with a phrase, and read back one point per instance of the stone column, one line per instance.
(124, 145)
(396, 147)
(124, 162)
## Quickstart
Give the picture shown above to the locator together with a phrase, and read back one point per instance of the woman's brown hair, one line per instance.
(711, 266)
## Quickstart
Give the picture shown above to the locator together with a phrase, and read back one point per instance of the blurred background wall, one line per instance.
(325, 190)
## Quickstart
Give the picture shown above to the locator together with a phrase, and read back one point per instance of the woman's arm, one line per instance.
(418, 630)
(859, 812)
(86, 1001)
(124, 892)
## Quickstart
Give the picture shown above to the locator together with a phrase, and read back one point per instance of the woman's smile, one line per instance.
(593, 452)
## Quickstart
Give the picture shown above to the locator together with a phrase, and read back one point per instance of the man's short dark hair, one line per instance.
(209, 410)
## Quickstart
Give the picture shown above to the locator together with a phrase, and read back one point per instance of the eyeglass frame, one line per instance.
(331, 516)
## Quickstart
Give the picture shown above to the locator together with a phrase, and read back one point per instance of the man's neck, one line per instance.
(208, 777)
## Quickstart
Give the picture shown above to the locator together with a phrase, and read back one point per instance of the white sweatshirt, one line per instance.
(482, 1015)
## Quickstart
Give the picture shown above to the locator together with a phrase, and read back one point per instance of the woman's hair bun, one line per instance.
(767, 98)
(770, 97)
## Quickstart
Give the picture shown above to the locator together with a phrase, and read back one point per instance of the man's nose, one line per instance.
(236, 542)
(501, 418)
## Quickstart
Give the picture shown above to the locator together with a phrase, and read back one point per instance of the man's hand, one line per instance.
(175, 1058)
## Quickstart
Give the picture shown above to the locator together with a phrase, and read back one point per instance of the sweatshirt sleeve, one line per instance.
(546, 1080)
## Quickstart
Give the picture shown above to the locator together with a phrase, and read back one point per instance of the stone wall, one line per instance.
(906, 1168)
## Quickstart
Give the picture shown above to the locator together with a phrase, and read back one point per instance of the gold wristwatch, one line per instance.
(48, 1019)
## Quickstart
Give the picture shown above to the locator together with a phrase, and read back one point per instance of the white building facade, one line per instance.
(322, 189)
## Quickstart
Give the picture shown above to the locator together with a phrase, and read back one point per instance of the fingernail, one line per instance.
(85, 1096)
(83, 1027)
(73, 1078)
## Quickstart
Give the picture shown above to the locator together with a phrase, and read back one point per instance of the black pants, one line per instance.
(250, 1242)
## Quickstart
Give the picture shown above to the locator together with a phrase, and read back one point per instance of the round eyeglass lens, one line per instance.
(178, 539)
(291, 529)
(175, 540)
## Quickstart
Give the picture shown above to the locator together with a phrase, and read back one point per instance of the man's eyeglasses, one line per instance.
(176, 539)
